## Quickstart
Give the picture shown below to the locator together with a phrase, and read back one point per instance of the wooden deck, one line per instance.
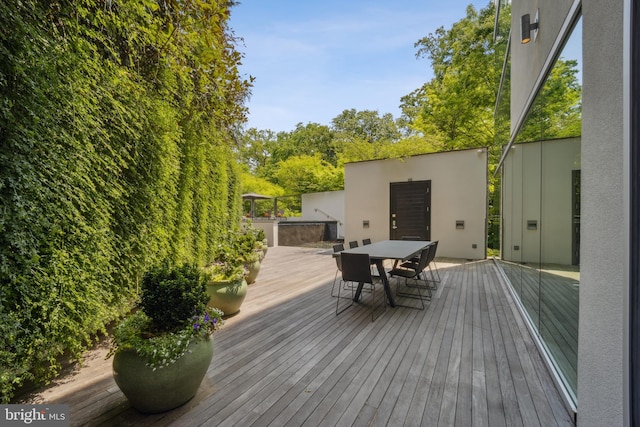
(287, 359)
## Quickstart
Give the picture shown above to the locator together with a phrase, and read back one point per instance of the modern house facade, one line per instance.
(570, 199)
(439, 196)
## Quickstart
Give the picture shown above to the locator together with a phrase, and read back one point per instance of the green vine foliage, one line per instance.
(116, 151)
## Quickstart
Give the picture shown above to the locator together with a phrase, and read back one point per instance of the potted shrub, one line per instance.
(258, 237)
(261, 241)
(226, 278)
(252, 261)
(249, 252)
(163, 350)
(262, 238)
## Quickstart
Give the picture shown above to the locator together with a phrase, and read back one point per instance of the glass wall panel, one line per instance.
(540, 224)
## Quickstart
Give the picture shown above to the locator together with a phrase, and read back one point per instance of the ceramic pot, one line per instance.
(227, 295)
(254, 269)
(165, 388)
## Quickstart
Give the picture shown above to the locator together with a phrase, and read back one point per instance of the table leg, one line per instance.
(385, 281)
(356, 297)
(385, 284)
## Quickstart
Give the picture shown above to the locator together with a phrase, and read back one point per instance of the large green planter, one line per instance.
(227, 295)
(254, 269)
(165, 388)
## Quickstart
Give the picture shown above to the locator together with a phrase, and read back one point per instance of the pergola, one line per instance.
(253, 197)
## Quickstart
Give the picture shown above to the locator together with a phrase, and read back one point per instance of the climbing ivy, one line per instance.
(116, 134)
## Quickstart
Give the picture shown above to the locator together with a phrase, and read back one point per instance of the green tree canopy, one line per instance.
(255, 148)
(358, 150)
(457, 104)
(311, 139)
(557, 112)
(308, 174)
(255, 184)
(365, 125)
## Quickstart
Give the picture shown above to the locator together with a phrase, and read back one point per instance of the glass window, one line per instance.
(540, 215)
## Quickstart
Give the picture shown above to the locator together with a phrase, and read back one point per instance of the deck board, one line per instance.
(467, 359)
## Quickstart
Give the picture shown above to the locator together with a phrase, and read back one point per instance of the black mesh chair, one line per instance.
(412, 238)
(414, 272)
(374, 269)
(353, 244)
(337, 248)
(431, 265)
(356, 268)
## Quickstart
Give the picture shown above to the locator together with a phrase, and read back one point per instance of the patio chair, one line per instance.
(414, 271)
(352, 244)
(412, 238)
(432, 262)
(374, 268)
(431, 265)
(339, 247)
(356, 268)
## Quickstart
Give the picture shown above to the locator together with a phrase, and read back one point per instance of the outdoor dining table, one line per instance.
(400, 250)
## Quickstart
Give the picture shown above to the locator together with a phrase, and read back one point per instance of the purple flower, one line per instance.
(196, 326)
(206, 317)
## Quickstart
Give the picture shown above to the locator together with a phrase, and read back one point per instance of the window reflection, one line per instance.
(540, 193)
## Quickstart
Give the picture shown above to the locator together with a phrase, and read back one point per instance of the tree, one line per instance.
(457, 104)
(365, 125)
(308, 174)
(255, 148)
(557, 112)
(310, 140)
(359, 150)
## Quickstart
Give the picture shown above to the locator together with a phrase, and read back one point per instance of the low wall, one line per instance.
(270, 228)
(297, 233)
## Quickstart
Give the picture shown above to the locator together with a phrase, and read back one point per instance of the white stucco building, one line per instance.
(438, 196)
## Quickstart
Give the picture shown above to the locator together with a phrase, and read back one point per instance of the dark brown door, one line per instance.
(410, 216)
(575, 232)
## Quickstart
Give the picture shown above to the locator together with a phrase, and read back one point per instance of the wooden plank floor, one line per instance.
(287, 360)
(551, 299)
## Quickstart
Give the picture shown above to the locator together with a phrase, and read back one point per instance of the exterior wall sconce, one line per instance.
(526, 26)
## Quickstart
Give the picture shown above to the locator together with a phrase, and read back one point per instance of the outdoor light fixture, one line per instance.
(526, 26)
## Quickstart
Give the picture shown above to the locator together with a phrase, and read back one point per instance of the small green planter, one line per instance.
(227, 295)
(165, 388)
(254, 269)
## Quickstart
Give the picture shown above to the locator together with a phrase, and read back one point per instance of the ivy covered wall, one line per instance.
(116, 151)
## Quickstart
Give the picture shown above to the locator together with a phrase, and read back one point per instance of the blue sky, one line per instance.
(314, 59)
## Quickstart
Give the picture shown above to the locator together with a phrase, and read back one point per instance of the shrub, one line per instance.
(171, 296)
(172, 314)
(116, 139)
